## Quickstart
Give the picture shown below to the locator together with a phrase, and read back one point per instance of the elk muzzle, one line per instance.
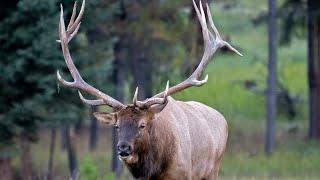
(124, 149)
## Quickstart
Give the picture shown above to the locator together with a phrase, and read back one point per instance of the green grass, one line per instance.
(225, 89)
(289, 166)
(294, 158)
(280, 164)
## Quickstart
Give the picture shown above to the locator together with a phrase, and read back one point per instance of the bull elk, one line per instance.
(160, 137)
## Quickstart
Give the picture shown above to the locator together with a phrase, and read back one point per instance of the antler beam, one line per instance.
(78, 83)
(212, 42)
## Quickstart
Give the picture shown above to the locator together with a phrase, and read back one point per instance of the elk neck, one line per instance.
(157, 153)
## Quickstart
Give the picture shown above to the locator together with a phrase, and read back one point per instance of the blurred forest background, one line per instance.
(47, 133)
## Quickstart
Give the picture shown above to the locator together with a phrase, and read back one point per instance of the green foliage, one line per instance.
(88, 169)
(30, 56)
(110, 177)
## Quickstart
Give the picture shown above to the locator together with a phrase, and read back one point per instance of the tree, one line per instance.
(272, 78)
(294, 15)
(72, 156)
(119, 80)
(314, 67)
(30, 57)
(24, 90)
(53, 137)
(93, 138)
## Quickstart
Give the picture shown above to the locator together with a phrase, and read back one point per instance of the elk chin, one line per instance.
(131, 159)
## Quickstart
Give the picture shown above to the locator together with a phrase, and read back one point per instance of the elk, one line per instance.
(160, 137)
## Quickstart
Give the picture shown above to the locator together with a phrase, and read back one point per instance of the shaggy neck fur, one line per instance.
(155, 154)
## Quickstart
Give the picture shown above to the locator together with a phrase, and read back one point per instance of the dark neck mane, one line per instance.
(158, 153)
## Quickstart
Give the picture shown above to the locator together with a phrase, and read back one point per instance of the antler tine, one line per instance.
(135, 96)
(166, 91)
(218, 37)
(73, 16)
(97, 102)
(78, 82)
(63, 40)
(215, 30)
(74, 32)
(212, 42)
(73, 25)
(153, 101)
(203, 22)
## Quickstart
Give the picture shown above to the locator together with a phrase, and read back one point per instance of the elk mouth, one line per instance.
(124, 155)
(130, 159)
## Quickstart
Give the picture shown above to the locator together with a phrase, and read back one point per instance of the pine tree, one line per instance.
(30, 56)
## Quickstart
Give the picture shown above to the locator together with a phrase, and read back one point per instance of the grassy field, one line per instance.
(294, 158)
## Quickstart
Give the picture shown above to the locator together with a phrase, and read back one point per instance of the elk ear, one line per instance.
(107, 118)
(158, 107)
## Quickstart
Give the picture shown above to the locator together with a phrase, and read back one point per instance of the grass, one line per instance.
(281, 165)
(294, 158)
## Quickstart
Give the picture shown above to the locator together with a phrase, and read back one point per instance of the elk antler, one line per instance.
(149, 102)
(78, 83)
(212, 42)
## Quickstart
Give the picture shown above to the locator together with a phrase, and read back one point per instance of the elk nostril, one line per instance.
(124, 149)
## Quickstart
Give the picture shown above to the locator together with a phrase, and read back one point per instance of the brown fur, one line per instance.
(165, 139)
(186, 140)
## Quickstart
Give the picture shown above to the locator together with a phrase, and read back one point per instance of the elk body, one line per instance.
(161, 138)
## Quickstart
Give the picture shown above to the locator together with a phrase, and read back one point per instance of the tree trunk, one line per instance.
(142, 69)
(314, 68)
(78, 127)
(63, 138)
(53, 137)
(26, 160)
(272, 79)
(5, 168)
(119, 80)
(72, 157)
(93, 141)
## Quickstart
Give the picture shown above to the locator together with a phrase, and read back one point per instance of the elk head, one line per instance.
(134, 121)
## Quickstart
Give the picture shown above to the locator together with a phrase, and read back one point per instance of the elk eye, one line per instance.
(142, 126)
(116, 126)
